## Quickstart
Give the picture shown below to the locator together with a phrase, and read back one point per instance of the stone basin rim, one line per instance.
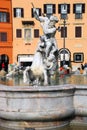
(37, 88)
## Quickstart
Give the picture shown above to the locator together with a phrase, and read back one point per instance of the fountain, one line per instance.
(42, 107)
(45, 62)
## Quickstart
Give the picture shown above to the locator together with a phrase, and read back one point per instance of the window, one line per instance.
(4, 17)
(78, 16)
(36, 33)
(3, 36)
(78, 57)
(62, 32)
(78, 32)
(49, 9)
(18, 12)
(78, 9)
(64, 9)
(38, 12)
(27, 34)
(18, 33)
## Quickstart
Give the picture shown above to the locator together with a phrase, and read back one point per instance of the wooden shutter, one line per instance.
(32, 13)
(4, 36)
(18, 33)
(40, 12)
(68, 8)
(62, 32)
(59, 8)
(22, 12)
(83, 8)
(36, 33)
(8, 17)
(54, 8)
(74, 8)
(78, 31)
(45, 8)
(14, 12)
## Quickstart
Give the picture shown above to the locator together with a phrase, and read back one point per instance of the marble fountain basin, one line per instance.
(41, 107)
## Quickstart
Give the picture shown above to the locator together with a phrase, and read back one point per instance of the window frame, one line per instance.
(62, 32)
(4, 17)
(63, 11)
(78, 54)
(18, 33)
(78, 15)
(80, 10)
(21, 12)
(26, 38)
(64, 15)
(36, 33)
(53, 9)
(78, 32)
(39, 12)
(3, 36)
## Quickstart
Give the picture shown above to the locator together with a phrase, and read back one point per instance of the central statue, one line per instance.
(45, 61)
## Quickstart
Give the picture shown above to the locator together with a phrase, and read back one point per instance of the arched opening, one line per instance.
(4, 61)
(67, 54)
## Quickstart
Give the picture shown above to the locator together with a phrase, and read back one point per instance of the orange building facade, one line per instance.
(71, 39)
(6, 35)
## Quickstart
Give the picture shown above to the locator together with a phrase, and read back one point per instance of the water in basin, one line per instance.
(60, 80)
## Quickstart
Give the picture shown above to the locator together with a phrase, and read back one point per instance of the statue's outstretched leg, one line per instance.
(45, 77)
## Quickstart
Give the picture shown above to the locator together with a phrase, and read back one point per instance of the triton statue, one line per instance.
(45, 62)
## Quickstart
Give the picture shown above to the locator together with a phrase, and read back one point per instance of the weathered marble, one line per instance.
(41, 107)
(26, 104)
(80, 100)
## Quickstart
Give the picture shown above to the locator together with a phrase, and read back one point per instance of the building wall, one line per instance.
(6, 46)
(73, 44)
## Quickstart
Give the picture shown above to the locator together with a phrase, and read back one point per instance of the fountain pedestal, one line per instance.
(35, 107)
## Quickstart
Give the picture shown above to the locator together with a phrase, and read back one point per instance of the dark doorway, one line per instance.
(25, 64)
(4, 61)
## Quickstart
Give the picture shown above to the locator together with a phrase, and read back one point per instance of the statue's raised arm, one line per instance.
(36, 15)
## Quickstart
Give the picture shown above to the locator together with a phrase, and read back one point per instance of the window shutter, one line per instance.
(68, 8)
(39, 12)
(62, 32)
(54, 8)
(18, 33)
(36, 33)
(14, 12)
(78, 31)
(65, 31)
(74, 8)
(8, 17)
(22, 12)
(4, 36)
(32, 13)
(59, 8)
(83, 8)
(45, 8)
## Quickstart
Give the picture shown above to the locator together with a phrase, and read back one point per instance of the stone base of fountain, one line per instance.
(29, 125)
(41, 107)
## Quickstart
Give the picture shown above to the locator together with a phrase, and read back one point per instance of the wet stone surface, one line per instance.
(64, 79)
(73, 127)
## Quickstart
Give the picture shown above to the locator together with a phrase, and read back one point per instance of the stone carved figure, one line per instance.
(49, 30)
(45, 61)
(37, 73)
